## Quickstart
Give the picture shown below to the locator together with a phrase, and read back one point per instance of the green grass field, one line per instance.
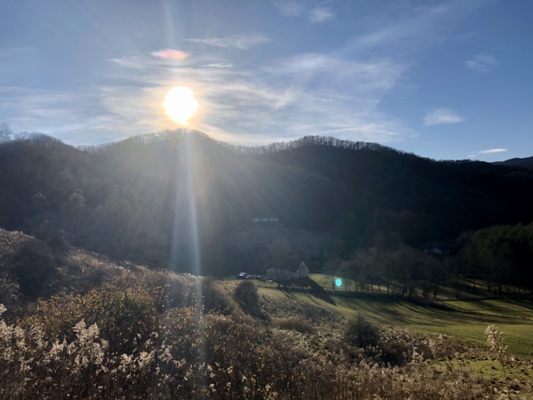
(461, 319)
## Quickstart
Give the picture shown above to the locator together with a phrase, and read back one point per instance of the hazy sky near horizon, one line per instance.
(447, 79)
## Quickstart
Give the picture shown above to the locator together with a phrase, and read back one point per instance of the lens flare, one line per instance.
(180, 105)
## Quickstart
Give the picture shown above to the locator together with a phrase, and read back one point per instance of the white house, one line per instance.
(282, 274)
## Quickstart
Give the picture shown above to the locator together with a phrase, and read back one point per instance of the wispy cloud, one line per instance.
(77, 117)
(488, 152)
(494, 151)
(218, 65)
(137, 61)
(409, 29)
(170, 54)
(296, 9)
(482, 63)
(442, 116)
(321, 14)
(290, 8)
(236, 41)
(305, 94)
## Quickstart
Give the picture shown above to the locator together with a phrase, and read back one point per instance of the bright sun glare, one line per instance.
(180, 104)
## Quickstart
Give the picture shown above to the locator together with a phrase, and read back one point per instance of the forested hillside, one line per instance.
(315, 199)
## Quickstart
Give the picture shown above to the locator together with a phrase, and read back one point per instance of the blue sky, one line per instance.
(447, 80)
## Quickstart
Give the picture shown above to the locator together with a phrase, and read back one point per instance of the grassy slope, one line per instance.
(461, 319)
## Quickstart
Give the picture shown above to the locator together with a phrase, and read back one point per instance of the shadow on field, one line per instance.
(306, 285)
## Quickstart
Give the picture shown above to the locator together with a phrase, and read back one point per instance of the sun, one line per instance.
(180, 104)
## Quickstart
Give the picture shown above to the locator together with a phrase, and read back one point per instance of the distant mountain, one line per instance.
(526, 162)
(181, 199)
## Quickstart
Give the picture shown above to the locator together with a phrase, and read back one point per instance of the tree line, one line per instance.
(497, 259)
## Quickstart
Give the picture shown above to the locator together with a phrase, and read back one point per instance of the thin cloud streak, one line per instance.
(488, 152)
(218, 65)
(295, 9)
(290, 8)
(319, 15)
(482, 63)
(494, 151)
(413, 31)
(442, 116)
(241, 42)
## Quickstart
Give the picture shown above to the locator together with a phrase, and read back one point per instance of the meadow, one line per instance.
(462, 319)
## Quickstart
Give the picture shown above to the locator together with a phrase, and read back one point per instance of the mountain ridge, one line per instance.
(275, 146)
(524, 162)
(131, 199)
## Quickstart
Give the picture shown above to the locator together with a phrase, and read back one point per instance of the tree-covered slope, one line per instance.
(156, 199)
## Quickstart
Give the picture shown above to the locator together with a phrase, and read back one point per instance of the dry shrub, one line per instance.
(246, 295)
(420, 382)
(203, 356)
(169, 290)
(387, 345)
(392, 352)
(361, 332)
(497, 348)
(207, 295)
(294, 324)
(33, 268)
(123, 316)
(10, 294)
